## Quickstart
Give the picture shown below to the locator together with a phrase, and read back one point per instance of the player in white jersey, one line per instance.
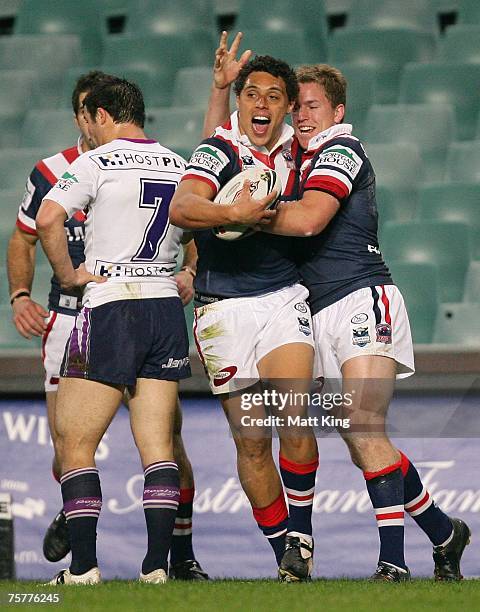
(130, 333)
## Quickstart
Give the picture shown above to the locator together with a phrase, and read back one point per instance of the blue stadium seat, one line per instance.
(284, 17)
(41, 282)
(387, 50)
(472, 283)
(400, 168)
(418, 283)
(163, 124)
(463, 162)
(16, 165)
(54, 17)
(10, 201)
(56, 127)
(431, 242)
(298, 51)
(448, 83)
(469, 12)
(458, 324)
(389, 14)
(430, 126)
(460, 44)
(49, 57)
(171, 17)
(192, 86)
(9, 337)
(453, 202)
(15, 98)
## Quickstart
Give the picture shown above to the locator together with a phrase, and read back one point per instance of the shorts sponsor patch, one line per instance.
(384, 333)
(224, 375)
(304, 326)
(301, 307)
(360, 336)
(210, 157)
(176, 363)
(361, 317)
(341, 157)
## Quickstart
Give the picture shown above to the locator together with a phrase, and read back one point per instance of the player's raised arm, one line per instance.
(225, 71)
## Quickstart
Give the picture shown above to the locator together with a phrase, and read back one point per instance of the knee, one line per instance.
(255, 452)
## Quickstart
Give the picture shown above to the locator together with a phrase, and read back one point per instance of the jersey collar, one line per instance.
(334, 131)
(285, 135)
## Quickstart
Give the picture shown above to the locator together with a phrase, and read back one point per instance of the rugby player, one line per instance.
(130, 332)
(361, 329)
(252, 322)
(55, 325)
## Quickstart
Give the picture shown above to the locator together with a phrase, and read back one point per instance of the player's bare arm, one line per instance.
(225, 71)
(50, 227)
(185, 277)
(28, 316)
(306, 217)
(192, 207)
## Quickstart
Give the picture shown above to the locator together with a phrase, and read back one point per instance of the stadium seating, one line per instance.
(53, 126)
(163, 124)
(156, 17)
(472, 283)
(387, 50)
(298, 51)
(361, 93)
(430, 126)
(388, 14)
(158, 55)
(16, 165)
(449, 83)
(10, 200)
(463, 162)
(55, 17)
(9, 337)
(452, 202)
(400, 168)
(460, 44)
(41, 282)
(418, 283)
(284, 17)
(431, 242)
(469, 12)
(385, 197)
(48, 56)
(192, 87)
(458, 324)
(15, 96)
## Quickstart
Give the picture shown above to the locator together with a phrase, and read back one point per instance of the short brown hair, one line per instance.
(330, 78)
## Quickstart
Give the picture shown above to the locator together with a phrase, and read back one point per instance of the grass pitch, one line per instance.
(255, 596)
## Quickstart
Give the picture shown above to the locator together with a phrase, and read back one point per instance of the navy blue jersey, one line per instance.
(259, 263)
(345, 256)
(42, 178)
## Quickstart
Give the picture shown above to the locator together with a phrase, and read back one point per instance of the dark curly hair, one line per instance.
(120, 98)
(275, 67)
(85, 83)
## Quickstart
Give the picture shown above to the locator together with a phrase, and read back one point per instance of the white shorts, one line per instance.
(233, 335)
(59, 327)
(369, 321)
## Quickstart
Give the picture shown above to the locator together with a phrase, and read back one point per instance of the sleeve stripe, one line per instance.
(46, 172)
(329, 184)
(203, 176)
(339, 176)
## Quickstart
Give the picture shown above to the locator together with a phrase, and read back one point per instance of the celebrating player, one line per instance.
(361, 329)
(252, 322)
(130, 332)
(31, 318)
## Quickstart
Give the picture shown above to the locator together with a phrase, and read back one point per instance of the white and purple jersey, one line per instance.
(42, 178)
(257, 264)
(125, 188)
(345, 256)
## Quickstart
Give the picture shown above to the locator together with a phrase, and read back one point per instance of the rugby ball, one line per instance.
(262, 182)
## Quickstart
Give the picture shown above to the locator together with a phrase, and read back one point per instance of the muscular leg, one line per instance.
(152, 412)
(84, 410)
(51, 398)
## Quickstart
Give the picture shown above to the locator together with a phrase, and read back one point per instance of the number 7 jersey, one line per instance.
(125, 188)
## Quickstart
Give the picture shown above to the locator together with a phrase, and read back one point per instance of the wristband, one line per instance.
(19, 294)
(189, 270)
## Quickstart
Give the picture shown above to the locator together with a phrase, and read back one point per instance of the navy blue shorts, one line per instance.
(124, 340)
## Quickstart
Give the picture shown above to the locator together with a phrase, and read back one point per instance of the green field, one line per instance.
(256, 596)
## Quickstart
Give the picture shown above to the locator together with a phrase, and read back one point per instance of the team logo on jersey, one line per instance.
(287, 156)
(361, 317)
(224, 375)
(301, 307)
(304, 326)
(341, 157)
(360, 336)
(384, 333)
(66, 181)
(208, 156)
(248, 160)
